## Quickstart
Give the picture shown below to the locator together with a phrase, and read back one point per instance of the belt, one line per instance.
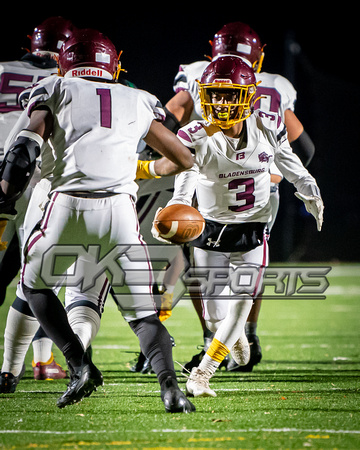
(90, 194)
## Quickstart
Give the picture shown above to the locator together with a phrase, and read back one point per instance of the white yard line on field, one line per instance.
(169, 430)
(257, 430)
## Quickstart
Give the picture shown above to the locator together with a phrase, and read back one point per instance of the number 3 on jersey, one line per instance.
(105, 107)
(243, 195)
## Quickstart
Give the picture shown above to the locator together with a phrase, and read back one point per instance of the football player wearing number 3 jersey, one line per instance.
(234, 150)
(94, 125)
(277, 95)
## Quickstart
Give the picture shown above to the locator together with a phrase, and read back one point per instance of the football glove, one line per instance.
(155, 232)
(3, 223)
(315, 206)
(166, 306)
(145, 170)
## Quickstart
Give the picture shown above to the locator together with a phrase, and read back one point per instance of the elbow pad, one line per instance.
(19, 163)
(304, 148)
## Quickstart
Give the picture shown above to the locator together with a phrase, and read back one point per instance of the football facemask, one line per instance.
(225, 104)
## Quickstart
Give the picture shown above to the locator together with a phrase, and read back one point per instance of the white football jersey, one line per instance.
(97, 128)
(277, 93)
(15, 76)
(232, 181)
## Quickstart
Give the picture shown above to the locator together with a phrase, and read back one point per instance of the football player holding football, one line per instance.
(234, 149)
(277, 95)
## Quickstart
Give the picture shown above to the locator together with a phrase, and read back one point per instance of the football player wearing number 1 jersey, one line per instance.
(94, 125)
(234, 149)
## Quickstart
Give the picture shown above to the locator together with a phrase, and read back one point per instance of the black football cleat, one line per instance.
(8, 381)
(139, 364)
(82, 384)
(174, 399)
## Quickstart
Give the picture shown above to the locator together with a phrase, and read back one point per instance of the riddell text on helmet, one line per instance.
(90, 72)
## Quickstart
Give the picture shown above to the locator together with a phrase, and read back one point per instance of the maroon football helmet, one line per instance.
(237, 38)
(88, 53)
(227, 89)
(48, 37)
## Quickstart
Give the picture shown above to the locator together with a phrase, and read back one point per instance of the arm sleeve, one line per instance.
(184, 186)
(304, 148)
(171, 122)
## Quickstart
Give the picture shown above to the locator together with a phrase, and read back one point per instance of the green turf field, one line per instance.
(304, 394)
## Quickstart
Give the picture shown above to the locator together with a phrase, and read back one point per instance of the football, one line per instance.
(179, 223)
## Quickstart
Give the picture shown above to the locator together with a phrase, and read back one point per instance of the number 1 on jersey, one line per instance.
(105, 107)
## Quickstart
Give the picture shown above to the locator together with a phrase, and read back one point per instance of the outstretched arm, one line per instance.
(177, 157)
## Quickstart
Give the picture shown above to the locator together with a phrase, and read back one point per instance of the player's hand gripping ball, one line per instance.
(179, 223)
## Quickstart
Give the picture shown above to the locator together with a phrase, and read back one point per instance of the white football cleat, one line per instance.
(240, 351)
(197, 384)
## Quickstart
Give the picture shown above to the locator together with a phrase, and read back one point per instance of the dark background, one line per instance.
(323, 70)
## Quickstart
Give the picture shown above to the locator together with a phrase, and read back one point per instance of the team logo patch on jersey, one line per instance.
(264, 157)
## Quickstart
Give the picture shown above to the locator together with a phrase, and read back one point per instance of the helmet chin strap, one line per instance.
(258, 64)
(119, 68)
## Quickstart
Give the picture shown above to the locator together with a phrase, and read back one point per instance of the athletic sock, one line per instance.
(232, 327)
(52, 317)
(42, 347)
(155, 344)
(213, 357)
(85, 323)
(19, 332)
(208, 365)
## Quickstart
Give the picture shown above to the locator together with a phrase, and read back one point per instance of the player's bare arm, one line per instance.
(41, 122)
(181, 105)
(293, 125)
(177, 156)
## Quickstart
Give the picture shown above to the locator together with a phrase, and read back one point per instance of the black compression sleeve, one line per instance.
(171, 122)
(304, 148)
